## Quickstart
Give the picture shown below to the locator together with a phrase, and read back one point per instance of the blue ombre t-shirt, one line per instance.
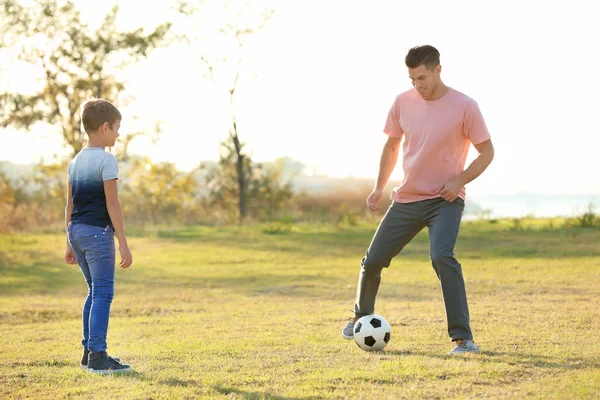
(87, 173)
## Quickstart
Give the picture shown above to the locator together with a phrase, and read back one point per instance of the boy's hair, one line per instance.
(425, 55)
(95, 112)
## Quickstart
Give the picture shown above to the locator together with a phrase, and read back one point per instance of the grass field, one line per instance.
(253, 313)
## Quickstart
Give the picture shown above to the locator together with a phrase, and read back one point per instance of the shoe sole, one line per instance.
(458, 353)
(109, 371)
(347, 337)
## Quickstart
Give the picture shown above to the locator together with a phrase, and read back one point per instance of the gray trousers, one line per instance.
(400, 224)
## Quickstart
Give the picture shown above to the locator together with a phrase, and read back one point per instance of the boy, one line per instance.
(92, 217)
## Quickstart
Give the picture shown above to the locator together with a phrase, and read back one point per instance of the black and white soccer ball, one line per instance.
(372, 332)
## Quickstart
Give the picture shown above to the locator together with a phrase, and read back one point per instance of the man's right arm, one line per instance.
(389, 158)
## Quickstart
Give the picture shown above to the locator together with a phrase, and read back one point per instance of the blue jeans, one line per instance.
(399, 226)
(94, 249)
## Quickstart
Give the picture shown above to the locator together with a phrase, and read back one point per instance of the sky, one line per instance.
(317, 83)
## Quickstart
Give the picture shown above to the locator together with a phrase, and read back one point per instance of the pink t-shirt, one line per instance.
(437, 135)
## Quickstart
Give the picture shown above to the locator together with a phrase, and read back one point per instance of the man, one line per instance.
(438, 125)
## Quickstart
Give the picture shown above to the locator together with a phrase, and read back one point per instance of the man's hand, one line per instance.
(450, 190)
(69, 255)
(126, 257)
(373, 199)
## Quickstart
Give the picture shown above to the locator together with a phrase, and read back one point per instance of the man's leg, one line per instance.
(399, 225)
(443, 221)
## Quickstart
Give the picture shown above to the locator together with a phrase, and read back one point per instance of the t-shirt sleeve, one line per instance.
(475, 128)
(110, 169)
(392, 125)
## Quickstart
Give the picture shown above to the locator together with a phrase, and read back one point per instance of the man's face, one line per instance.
(425, 80)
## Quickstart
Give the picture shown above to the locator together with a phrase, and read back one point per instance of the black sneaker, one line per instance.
(84, 359)
(101, 363)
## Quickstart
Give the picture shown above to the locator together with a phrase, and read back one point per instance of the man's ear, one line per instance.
(438, 69)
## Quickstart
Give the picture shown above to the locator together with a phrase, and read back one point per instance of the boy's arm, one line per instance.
(69, 256)
(116, 216)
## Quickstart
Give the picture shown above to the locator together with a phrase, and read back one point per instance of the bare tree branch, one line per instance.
(234, 155)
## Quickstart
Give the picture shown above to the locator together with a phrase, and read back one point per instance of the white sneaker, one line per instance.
(464, 346)
(348, 331)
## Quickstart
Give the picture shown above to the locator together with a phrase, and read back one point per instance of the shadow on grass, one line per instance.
(529, 360)
(45, 274)
(125, 375)
(41, 272)
(42, 278)
(173, 382)
(46, 363)
(471, 242)
(227, 391)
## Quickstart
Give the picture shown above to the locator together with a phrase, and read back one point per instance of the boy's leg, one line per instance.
(443, 221)
(100, 256)
(85, 270)
(399, 225)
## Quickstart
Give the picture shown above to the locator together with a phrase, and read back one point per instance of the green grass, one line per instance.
(250, 313)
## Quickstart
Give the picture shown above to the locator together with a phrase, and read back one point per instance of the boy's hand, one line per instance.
(126, 257)
(69, 255)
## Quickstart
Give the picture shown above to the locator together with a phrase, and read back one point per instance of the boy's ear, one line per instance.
(105, 126)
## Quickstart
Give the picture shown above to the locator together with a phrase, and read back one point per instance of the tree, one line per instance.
(242, 21)
(13, 192)
(158, 193)
(269, 192)
(74, 63)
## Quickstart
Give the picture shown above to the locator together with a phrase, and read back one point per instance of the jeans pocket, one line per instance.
(92, 239)
(100, 246)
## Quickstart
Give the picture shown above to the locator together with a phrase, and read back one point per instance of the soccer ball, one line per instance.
(372, 332)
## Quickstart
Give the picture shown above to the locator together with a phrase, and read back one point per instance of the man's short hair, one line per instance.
(95, 112)
(425, 55)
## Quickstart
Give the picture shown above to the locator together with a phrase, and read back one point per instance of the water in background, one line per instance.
(538, 205)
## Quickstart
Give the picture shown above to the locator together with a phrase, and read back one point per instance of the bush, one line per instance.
(588, 219)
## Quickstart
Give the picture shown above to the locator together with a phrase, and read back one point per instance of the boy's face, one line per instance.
(111, 133)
